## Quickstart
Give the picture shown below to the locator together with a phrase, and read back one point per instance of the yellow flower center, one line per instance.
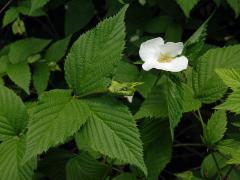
(164, 58)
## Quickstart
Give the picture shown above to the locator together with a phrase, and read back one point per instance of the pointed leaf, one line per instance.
(56, 117)
(112, 131)
(91, 61)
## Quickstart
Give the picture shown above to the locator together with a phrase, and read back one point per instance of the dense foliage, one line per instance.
(69, 69)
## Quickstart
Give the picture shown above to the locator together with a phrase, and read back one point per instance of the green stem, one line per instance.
(228, 172)
(216, 163)
(200, 118)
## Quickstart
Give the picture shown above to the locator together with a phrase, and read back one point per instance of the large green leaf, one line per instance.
(11, 166)
(92, 59)
(187, 5)
(78, 14)
(83, 166)
(22, 49)
(112, 131)
(232, 103)
(20, 74)
(208, 87)
(57, 116)
(215, 128)
(13, 114)
(231, 77)
(157, 141)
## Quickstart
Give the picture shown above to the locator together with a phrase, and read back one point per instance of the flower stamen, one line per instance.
(164, 58)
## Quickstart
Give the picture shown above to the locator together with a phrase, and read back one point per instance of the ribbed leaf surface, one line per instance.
(93, 57)
(112, 131)
(13, 114)
(57, 116)
(231, 77)
(208, 87)
(11, 167)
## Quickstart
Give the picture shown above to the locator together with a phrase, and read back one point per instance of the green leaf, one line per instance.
(78, 14)
(187, 175)
(232, 103)
(3, 64)
(187, 5)
(36, 4)
(154, 106)
(230, 147)
(126, 72)
(41, 75)
(174, 104)
(10, 16)
(235, 5)
(57, 50)
(83, 166)
(13, 114)
(22, 49)
(92, 58)
(208, 87)
(11, 166)
(57, 116)
(231, 77)
(195, 44)
(112, 131)
(190, 103)
(215, 128)
(157, 141)
(20, 74)
(208, 166)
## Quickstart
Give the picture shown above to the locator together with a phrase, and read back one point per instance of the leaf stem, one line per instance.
(200, 117)
(189, 144)
(216, 163)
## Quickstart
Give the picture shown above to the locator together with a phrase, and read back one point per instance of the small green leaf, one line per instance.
(91, 61)
(215, 128)
(208, 166)
(36, 4)
(83, 166)
(20, 74)
(22, 49)
(57, 50)
(41, 75)
(187, 5)
(232, 103)
(10, 16)
(125, 176)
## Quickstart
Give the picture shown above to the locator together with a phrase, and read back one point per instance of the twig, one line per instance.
(189, 144)
(5, 6)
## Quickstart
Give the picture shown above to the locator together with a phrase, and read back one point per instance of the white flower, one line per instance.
(158, 55)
